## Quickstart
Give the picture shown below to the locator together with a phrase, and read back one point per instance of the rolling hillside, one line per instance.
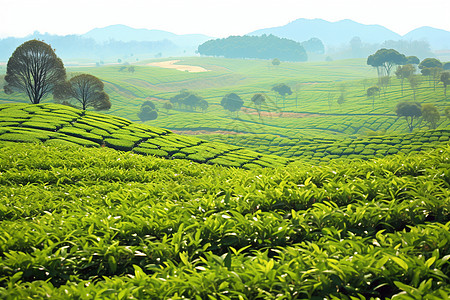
(99, 223)
(61, 125)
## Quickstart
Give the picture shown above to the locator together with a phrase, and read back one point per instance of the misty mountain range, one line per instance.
(342, 39)
(334, 34)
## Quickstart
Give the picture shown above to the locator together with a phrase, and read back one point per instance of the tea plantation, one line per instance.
(59, 124)
(97, 223)
(303, 198)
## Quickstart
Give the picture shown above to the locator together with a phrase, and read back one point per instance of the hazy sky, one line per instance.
(215, 18)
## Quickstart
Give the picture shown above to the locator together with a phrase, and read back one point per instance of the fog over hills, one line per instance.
(127, 34)
(331, 33)
(438, 38)
(337, 33)
(342, 39)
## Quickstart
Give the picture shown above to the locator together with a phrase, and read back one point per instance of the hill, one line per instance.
(439, 39)
(128, 34)
(112, 43)
(331, 33)
(58, 124)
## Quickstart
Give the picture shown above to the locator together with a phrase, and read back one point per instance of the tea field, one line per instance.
(97, 223)
(307, 199)
(60, 124)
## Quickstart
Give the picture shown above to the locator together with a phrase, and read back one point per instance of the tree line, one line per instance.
(385, 60)
(261, 47)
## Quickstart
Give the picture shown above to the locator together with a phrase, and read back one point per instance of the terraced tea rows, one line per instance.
(57, 124)
(325, 149)
(83, 223)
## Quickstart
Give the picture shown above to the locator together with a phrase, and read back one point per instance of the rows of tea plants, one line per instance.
(96, 223)
(58, 124)
(325, 149)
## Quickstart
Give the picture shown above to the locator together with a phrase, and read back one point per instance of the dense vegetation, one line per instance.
(98, 223)
(60, 124)
(318, 190)
(263, 47)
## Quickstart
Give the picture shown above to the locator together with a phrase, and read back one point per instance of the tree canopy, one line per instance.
(430, 63)
(86, 89)
(445, 79)
(189, 99)
(404, 72)
(148, 111)
(386, 59)
(430, 114)
(35, 69)
(258, 99)
(262, 47)
(314, 45)
(232, 102)
(372, 92)
(409, 110)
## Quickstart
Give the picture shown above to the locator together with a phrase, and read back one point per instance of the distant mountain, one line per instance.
(113, 42)
(335, 34)
(331, 33)
(128, 34)
(439, 39)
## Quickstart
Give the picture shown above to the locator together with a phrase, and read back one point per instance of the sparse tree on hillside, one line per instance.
(178, 99)
(445, 79)
(431, 67)
(35, 69)
(131, 69)
(167, 106)
(372, 92)
(384, 60)
(192, 100)
(276, 62)
(283, 90)
(203, 104)
(414, 82)
(85, 89)
(258, 99)
(430, 114)
(404, 72)
(341, 99)
(446, 66)
(232, 102)
(409, 110)
(148, 111)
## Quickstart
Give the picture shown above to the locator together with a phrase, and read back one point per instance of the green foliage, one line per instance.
(385, 59)
(262, 47)
(409, 110)
(34, 69)
(86, 89)
(148, 112)
(57, 124)
(99, 223)
(431, 115)
(232, 102)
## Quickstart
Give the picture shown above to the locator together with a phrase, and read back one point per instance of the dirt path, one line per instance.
(171, 64)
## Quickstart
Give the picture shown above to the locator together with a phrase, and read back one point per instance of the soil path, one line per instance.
(171, 64)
